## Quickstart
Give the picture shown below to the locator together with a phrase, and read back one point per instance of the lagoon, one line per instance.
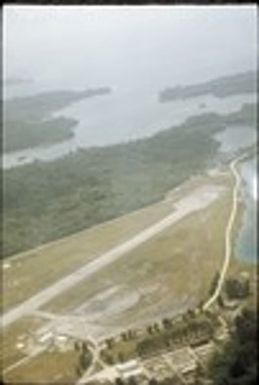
(246, 243)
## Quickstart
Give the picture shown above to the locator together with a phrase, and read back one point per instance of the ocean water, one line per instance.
(246, 244)
(135, 112)
(126, 114)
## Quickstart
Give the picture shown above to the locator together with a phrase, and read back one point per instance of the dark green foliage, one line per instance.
(45, 201)
(109, 343)
(167, 323)
(23, 134)
(193, 332)
(131, 334)
(247, 115)
(119, 381)
(237, 364)
(166, 381)
(220, 301)
(236, 289)
(214, 283)
(85, 348)
(36, 107)
(150, 345)
(156, 327)
(85, 359)
(170, 381)
(109, 359)
(153, 381)
(124, 336)
(27, 121)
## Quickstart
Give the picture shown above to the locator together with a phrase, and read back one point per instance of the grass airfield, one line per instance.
(29, 272)
(161, 277)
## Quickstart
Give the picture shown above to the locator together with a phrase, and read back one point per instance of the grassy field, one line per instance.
(9, 353)
(38, 268)
(31, 271)
(172, 271)
(166, 275)
(48, 367)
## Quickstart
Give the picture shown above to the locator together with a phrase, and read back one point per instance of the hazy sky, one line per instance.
(120, 45)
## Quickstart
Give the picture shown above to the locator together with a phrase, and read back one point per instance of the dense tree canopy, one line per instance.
(45, 201)
(237, 364)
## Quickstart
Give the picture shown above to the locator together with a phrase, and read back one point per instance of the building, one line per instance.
(130, 369)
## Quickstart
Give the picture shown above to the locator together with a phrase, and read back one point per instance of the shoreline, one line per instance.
(230, 228)
(241, 220)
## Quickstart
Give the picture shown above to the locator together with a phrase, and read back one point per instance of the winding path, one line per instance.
(228, 233)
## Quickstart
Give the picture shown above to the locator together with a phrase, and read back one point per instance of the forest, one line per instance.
(25, 134)
(236, 364)
(44, 201)
(27, 121)
(222, 87)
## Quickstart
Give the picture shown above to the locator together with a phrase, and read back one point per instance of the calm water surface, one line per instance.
(134, 113)
(231, 140)
(246, 245)
(124, 115)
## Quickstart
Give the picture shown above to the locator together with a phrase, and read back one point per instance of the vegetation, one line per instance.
(237, 364)
(214, 283)
(223, 87)
(246, 116)
(236, 289)
(95, 185)
(9, 354)
(27, 121)
(48, 367)
(85, 360)
(23, 134)
(190, 329)
(38, 106)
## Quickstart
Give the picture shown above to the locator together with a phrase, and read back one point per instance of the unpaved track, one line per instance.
(228, 233)
(197, 200)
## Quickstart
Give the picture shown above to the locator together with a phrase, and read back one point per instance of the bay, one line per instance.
(126, 114)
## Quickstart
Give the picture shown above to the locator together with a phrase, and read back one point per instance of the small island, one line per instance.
(27, 121)
(223, 87)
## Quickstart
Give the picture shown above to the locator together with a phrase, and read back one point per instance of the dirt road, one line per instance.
(228, 233)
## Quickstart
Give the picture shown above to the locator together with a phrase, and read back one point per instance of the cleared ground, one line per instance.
(193, 202)
(13, 336)
(165, 275)
(49, 367)
(27, 273)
